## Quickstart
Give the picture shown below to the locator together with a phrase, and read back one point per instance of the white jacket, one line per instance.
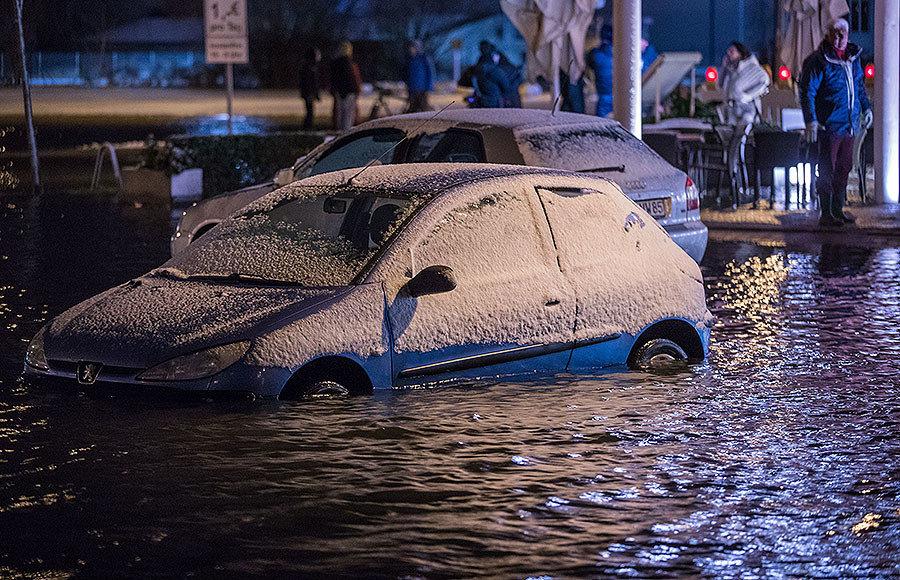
(747, 82)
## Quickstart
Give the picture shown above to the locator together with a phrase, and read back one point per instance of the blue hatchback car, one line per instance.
(396, 276)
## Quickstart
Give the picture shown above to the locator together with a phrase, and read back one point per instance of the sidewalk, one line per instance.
(882, 220)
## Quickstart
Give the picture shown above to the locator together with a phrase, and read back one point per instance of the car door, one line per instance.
(595, 240)
(511, 310)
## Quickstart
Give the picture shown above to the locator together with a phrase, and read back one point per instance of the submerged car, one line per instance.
(396, 276)
(516, 136)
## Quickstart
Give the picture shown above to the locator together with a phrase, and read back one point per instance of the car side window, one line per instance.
(356, 152)
(476, 239)
(451, 146)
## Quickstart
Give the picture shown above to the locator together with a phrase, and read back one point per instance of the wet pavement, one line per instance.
(775, 458)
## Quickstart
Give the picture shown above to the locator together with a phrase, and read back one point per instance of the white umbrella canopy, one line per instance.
(554, 32)
(807, 22)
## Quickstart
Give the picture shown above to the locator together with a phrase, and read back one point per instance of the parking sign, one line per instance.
(226, 31)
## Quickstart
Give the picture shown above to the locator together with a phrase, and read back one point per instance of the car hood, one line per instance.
(149, 320)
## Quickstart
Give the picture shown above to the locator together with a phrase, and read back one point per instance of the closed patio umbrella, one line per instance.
(807, 20)
(554, 32)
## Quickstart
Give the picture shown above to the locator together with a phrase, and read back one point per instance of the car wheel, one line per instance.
(325, 389)
(657, 353)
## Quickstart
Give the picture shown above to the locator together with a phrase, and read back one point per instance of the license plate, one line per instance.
(655, 207)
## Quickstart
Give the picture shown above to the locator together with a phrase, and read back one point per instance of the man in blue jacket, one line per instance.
(835, 107)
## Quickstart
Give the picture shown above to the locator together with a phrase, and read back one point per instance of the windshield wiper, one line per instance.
(619, 168)
(231, 277)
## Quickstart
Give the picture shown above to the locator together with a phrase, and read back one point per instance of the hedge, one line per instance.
(233, 161)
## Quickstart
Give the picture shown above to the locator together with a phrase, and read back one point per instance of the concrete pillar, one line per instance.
(887, 101)
(627, 64)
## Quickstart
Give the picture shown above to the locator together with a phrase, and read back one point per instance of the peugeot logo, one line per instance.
(88, 372)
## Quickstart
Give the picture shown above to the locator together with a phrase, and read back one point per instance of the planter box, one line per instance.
(153, 186)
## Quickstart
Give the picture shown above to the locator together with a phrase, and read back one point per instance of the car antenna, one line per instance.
(397, 144)
(559, 96)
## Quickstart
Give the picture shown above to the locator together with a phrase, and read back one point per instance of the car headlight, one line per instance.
(34, 356)
(197, 365)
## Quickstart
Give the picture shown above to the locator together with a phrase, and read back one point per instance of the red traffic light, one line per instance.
(784, 73)
(870, 71)
(712, 75)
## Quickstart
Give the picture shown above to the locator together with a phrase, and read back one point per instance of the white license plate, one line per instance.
(655, 207)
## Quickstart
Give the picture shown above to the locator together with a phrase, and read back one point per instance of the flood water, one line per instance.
(776, 458)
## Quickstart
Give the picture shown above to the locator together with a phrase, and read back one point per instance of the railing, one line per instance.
(107, 147)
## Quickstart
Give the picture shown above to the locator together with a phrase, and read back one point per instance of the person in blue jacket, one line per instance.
(600, 59)
(418, 75)
(835, 107)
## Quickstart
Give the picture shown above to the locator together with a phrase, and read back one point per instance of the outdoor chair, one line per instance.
(725, 155)
(863, 153)
(777, 149)
(666, 145)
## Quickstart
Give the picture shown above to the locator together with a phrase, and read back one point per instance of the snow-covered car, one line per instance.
(397, 276)
(516, 136)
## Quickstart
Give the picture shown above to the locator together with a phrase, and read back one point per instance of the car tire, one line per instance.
(657, 353)
(326, 389)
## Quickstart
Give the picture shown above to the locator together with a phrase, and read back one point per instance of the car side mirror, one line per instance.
(432, 280)
(284, 176)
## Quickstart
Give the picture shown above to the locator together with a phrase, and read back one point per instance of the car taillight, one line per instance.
(693, 196)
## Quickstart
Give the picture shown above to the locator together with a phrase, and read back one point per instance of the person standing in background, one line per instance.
(600, 59)
(346, 84)
(310, 77)
(491, 81)
(419, 77)
(744, 81)
(835, 107)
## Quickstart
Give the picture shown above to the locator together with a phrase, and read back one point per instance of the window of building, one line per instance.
(859, 15)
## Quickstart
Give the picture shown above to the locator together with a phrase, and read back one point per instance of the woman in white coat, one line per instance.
(744, 82)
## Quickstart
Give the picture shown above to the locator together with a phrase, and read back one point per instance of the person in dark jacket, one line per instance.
(492, 83)
(418, 75)
(345, 86)
(310, 77)
(835, 106)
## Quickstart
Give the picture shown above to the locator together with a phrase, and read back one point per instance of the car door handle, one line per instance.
(552, 303)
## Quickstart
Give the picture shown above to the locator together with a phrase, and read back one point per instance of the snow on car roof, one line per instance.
(517, 119)
(417, 178)
(570, 141)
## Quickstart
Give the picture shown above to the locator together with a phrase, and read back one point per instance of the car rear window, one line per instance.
(609, 151)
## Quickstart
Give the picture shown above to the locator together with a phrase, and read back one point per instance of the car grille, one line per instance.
(106, 373)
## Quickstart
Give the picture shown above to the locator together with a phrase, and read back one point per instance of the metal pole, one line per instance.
(229, 81)
(554, 64)
(26, 95)
(887, 101)
(693, 90)
(627, 64)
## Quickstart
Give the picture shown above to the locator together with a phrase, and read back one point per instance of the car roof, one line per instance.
(426, 178)
(514, 119)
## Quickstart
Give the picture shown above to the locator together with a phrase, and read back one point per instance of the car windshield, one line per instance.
(312, 237)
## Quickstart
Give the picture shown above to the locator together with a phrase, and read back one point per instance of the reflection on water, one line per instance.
(776, 458)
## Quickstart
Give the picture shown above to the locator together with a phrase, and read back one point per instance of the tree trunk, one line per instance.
(26, 94)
